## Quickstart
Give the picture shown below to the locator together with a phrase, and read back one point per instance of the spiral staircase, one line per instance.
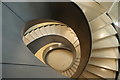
(58, 45)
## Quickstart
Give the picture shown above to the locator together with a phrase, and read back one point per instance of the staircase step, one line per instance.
(104, 32)
(34, 35)
(74, 68)
(59, 30)
(29, 37)
(53, 27)
(76, 63)
(68, 73)
(48, 29)
(104, 73)
(111, 64)
(43, 31)
(106, 43)
(78, 51)
(71, 71)
(76, 43)
(90, 8)
(100, 22)
(38, 32)
(26, 41)
(91, 76)
(70, 35)
(64, 73)
(106, 53)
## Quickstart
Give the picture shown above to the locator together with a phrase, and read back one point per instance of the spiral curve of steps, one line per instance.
(103, 62)
(55, 29)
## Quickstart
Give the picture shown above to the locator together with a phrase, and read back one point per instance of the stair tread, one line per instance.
(48, 29)
(78, 50)
(72, 72)
(53, 29)
(43, 31)
(68, 73)
(38, 32)
(90, 8)
(89, 75)
(100, 22)
(29, 37)
(76, 43)
(34, 35)
(70, 36)
(104, 73)
(106, 43)
(106, 53)
(104, 32)
(26, 41)
(111, 64)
